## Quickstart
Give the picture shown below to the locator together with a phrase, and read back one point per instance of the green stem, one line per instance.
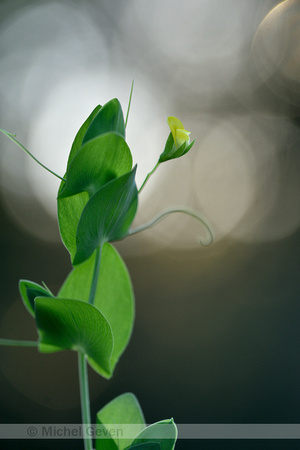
(161, 216)
(12, 138)
(85, 399)
(16, 343)
(148, 176)
(95, 274)
(82, 364)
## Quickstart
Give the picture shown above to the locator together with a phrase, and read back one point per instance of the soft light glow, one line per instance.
(276, 50)
(58, 64)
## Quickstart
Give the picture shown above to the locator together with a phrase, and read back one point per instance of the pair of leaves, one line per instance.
(103, 119)
(65, 324)
(122, 427)
(102, 330)
(114, 295)
(97, 201)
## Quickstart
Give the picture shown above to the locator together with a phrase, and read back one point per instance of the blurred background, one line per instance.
(216, 337)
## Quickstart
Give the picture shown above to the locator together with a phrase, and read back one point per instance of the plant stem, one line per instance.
(95, 274)
(16, 343)
(85, 399)
(148, 176)
(82, 364)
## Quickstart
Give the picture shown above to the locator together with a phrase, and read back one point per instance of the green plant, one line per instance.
(93, 314)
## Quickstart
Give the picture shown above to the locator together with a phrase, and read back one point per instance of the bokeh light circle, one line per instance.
(276, 50)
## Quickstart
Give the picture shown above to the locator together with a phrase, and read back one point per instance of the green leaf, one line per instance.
(183, 150)
(69, 211)
(65, 324)
(97, 162)
(77, 143)
(114, 295)
(163, 433)
(168, 149)
(29, 291)
(170, 152)
(108, 119)
(121, 417)
(107, 216)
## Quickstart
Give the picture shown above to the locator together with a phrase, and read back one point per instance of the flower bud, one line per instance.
(178, 142)
(180, 135)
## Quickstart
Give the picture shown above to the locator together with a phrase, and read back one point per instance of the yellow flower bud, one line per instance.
(180, 135)
(178, 142)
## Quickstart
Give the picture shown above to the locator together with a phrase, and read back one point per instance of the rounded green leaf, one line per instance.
(163, 433)
(125, 413)
(107, 216)
(29, 291)
(97, 162)
(108, 119)
(114, 295)
(65, 324)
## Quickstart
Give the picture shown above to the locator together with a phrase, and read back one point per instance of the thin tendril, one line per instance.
(47, 289)
(189, 212)
(12, 136)
(129, 103)
(18, 343)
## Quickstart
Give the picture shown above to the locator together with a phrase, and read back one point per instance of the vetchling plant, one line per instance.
(93, 311)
